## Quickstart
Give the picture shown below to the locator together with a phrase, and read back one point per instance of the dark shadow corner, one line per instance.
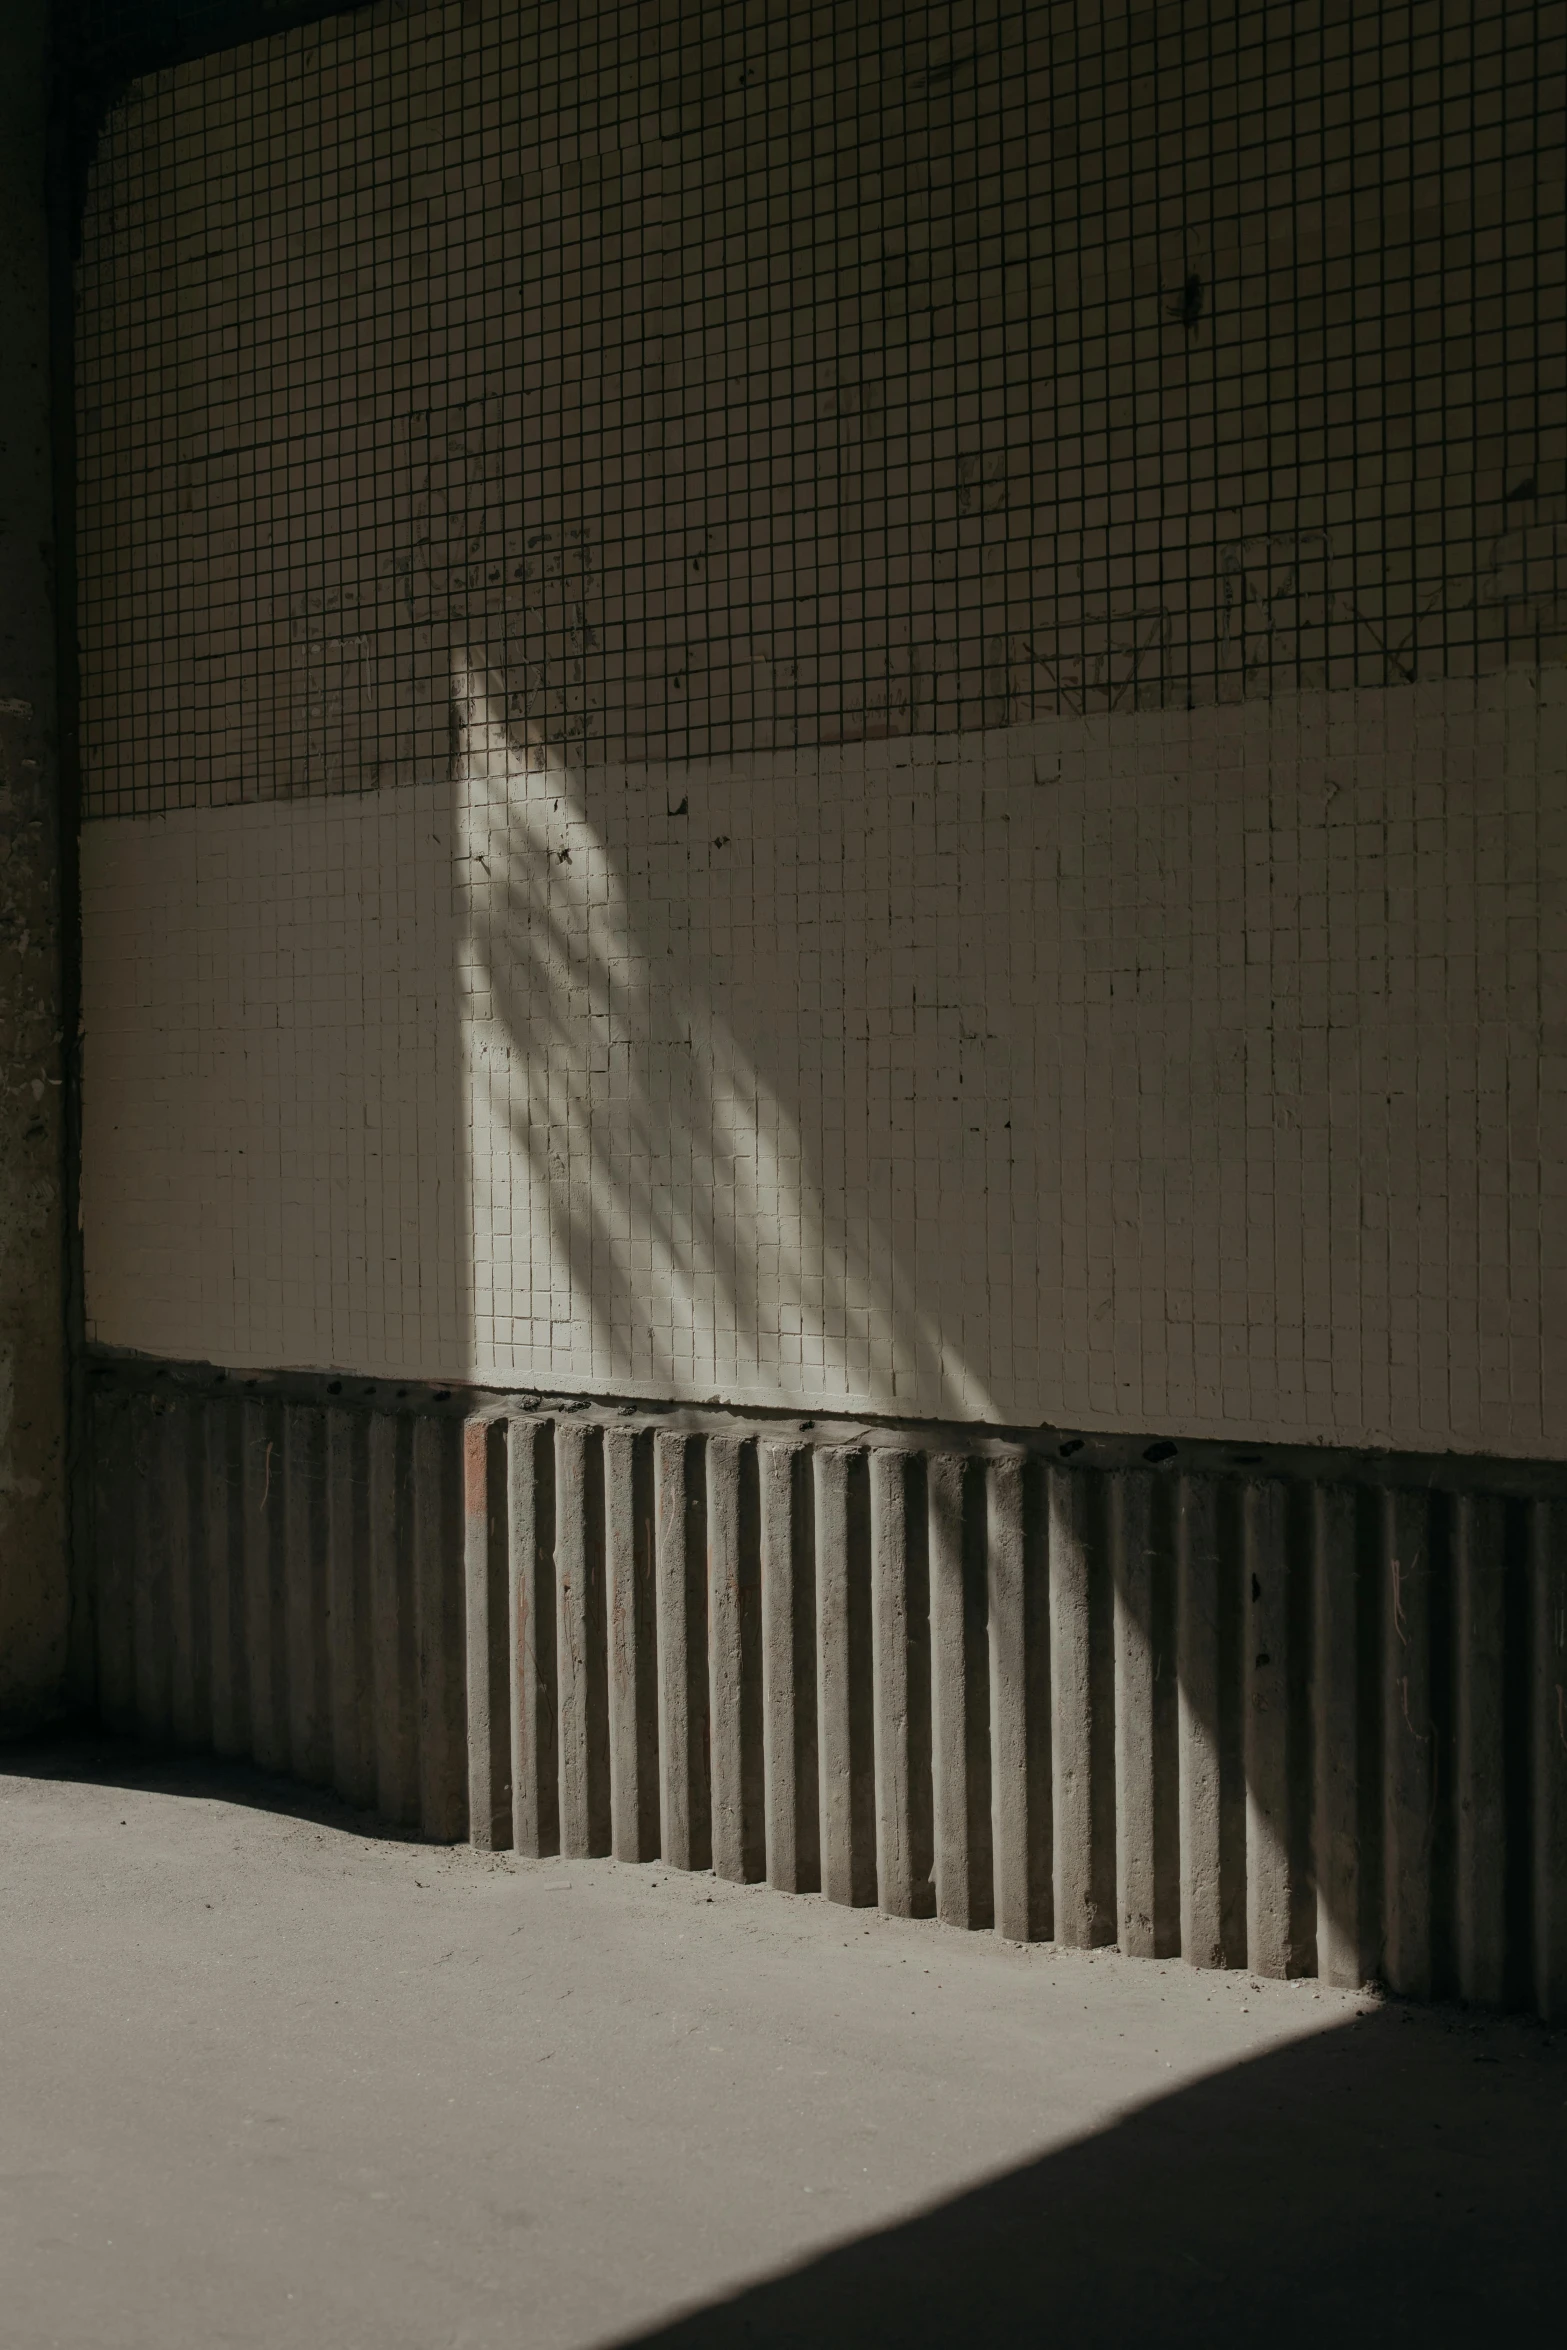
(90, 1756)
(1401, 2179)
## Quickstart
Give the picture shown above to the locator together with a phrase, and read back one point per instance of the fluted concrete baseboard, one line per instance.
(1300, 1712)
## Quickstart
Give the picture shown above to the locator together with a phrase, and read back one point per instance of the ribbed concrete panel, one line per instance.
(1131, 1572)
(725, 1661)
(1409, 1744)
(1265, 1687)
(844, 1703)
(190, 1640)
(1295, 1714)
(392, 1647)
(150, 1671)
(632, 1693)
(897, 1763)
(485, 1633)
(437, 1538)
(681, 1588)
(1019, 1669)
(1337, 1792)
(1480, 1767)
(305, 1610)
(788, 1621)
(572, 1665)
(1083, 1877)
(1547, 1550)
(348, 1606)
(113, 1467)
(960, 1694)
(261, 1546)
(530, 1621)
(1197, 1724)
(218, 1503)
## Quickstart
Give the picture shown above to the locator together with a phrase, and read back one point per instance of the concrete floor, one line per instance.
(272, 2080)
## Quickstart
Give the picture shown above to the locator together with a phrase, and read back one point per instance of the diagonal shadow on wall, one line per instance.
(656, 1173)
(1397, 2180)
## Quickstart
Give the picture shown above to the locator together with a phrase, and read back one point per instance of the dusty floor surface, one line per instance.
(272, 2079)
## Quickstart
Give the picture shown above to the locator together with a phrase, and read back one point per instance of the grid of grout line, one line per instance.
(1075, 1075)
(1067, 1052)
(712, 386)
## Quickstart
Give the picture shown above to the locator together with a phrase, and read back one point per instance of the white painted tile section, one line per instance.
(1185, 1072)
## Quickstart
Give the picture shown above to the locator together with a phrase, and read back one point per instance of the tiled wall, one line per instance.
(739, 380)
(837, 708)
(1178, 1070)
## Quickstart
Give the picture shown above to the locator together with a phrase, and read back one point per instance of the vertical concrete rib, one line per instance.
(1036, 1633)
(960, 1699)
(530, 1610)
(834, 1694)
(437, 1533)
(1131, 1576)
(862, 1694)
(633, 1725)
(600, 1840)
(1408, 1744)
(261, 1500)
(571, 1636)
(345, 1702)
(487, 1683)
(391, 1619)
(678, 1635)
(1197, 1720)
(895, 1865)
(304, 1595)
(1265, 1682)
(113, 1538)
(291, 1468)
(190, 1684)
(141, 1540)
(752, 1765)
(1013, 1702)
(1548, 1754)
(1480, 1884)
(948, 1712)
(1335, 1691)
(787, 1693)
(150, 1605)
(479, 1714)
(221, 1503)
(620, 1569)
(1079, 1919)
(350, 1686)
(724, 1658)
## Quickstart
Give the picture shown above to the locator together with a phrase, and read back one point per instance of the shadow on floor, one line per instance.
(93, 1757)
(1402, 2179)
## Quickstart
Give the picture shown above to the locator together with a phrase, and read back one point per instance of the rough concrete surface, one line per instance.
(33, 1582)
(275, 2077)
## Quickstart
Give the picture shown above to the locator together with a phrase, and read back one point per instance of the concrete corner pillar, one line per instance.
(34, 1588)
